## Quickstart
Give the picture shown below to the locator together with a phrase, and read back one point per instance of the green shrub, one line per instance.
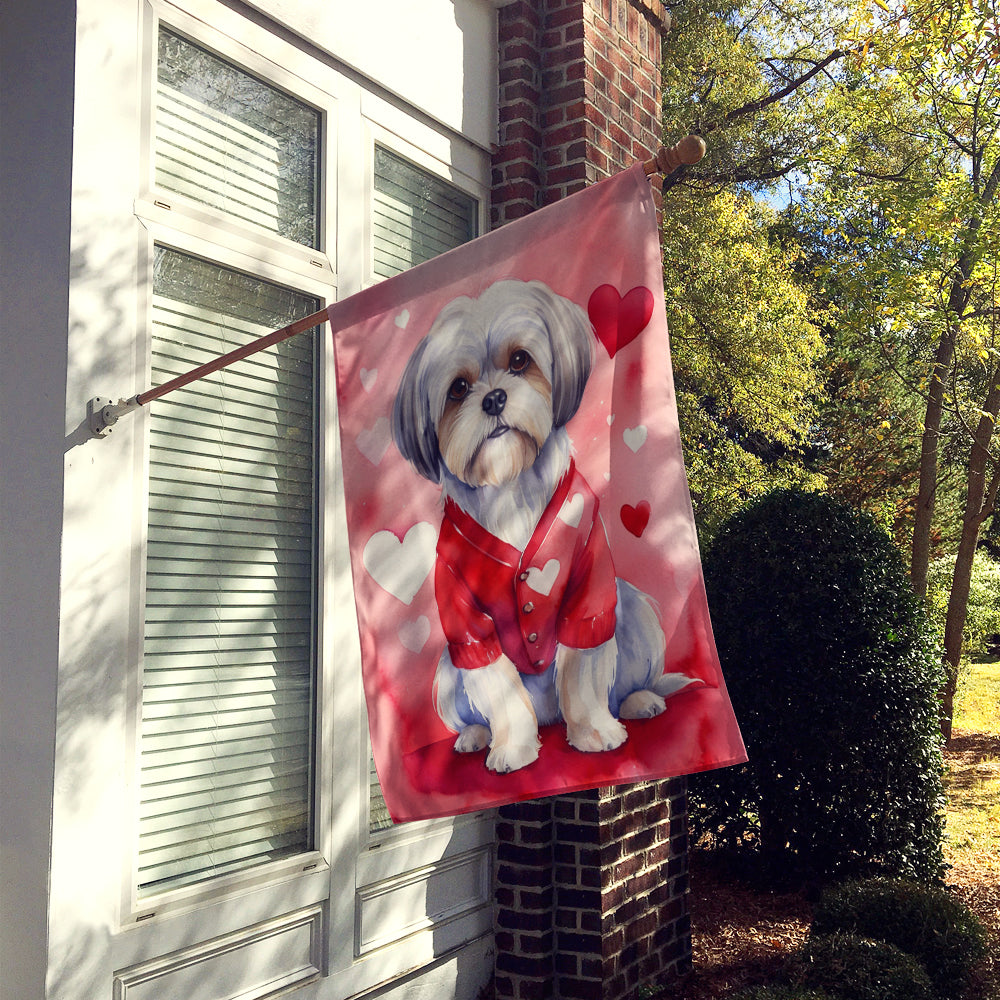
(833, 673)
(982, 620)
(925, 922)
(856, 968)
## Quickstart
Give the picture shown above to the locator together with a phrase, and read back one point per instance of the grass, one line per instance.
(978, 698)
(973, 807)
(973, 783)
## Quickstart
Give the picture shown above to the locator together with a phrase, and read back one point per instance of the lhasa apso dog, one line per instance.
(537, 624)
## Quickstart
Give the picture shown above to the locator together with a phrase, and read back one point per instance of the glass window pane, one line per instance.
(231, 141)
(416, 216)
(228, 679)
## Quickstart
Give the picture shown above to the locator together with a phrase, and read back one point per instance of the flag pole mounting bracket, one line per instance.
(103, 413)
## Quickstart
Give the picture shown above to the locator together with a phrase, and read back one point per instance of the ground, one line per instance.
(741, 935)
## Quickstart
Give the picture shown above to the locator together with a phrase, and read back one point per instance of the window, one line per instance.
(252, 806)
(228, 679)
(229, 646)
(227, 140)
(416, 216)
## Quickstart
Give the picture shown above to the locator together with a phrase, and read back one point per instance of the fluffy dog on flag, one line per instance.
(538, 626)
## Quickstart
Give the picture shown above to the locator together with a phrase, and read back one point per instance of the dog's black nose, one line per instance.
(494, 402)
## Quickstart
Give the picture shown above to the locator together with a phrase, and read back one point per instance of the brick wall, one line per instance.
(591, 893)
(579, 96)
(591, 888)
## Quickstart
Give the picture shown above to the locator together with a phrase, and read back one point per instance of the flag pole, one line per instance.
(103, 413)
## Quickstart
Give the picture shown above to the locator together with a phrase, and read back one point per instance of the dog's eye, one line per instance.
(458, 389)
(519, 362)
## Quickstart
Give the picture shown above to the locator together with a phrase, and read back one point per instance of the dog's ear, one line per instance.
(413, 427)
(572, 338)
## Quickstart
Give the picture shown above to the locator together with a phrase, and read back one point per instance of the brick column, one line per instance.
(579, 96)
(591, 888)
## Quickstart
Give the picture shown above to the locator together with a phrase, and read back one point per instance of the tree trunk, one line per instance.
(958, 299)
(980, 499)
(920, 553)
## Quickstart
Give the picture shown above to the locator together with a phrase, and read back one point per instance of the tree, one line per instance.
(746, 354)
(879, 122)
(913, 185)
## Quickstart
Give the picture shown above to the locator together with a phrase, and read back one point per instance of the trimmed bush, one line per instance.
(833, 672)
(856, 968)
(925, 922)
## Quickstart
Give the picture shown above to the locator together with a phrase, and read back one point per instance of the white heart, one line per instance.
(402, 319)
(374, 442)
(401, 567)
(414, 635)
(635, 437)
(541, 580)
(611, 419)
(368, 377)
(572, 510)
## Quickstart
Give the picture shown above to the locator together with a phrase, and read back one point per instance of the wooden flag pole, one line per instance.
(103, 413)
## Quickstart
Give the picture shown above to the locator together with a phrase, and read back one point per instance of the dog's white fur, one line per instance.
(481, 409)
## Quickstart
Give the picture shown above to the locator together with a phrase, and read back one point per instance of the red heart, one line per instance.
(636, 518)
(618, 321)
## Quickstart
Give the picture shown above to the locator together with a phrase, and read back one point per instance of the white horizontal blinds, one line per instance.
(231, 141)
(416, 216)
(228, 655)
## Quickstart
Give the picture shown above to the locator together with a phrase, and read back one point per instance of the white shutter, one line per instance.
(228, 659)
(416, 216)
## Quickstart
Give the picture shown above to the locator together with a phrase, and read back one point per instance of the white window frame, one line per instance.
(350, 873)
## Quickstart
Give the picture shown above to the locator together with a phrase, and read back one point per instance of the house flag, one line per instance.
(526, 573)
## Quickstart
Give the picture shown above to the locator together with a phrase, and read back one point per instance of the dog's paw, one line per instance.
(509, 757)
(642, 705)
(472, 738)
(608, 734)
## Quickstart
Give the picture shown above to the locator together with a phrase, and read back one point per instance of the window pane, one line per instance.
(228, 657)
(416, 217)
(228, 140)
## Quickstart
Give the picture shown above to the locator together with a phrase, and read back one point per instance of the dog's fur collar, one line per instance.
(511, 511)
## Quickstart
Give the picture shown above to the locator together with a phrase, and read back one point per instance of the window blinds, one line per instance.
(230, 141)
(227, 682)
(416, 216)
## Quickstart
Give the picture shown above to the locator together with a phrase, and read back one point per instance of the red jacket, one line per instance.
(493, 598)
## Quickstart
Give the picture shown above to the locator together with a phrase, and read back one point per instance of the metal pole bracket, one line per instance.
(103, 413)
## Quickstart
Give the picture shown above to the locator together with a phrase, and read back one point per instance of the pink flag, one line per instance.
(526, 571)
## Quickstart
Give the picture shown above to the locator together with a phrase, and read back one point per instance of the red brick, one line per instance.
(594, 95)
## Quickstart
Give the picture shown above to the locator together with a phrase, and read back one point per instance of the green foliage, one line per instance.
(924, 921)
(833, 673)
(983, 612)
(746, 354)
(738, 73)
(856, 968)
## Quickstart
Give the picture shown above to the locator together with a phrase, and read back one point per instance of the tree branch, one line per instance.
(754, 106)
